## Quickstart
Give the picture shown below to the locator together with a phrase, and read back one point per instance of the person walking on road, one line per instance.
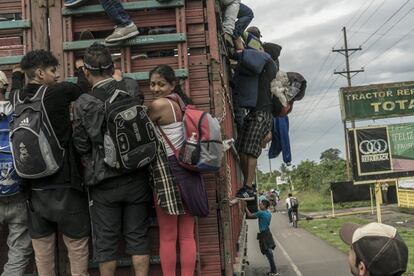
(265, 237)
(376, 249)
(292, 205)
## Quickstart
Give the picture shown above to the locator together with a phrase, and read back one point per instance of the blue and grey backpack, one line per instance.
(9, 180)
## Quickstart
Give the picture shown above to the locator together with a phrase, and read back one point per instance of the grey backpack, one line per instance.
(36, 150)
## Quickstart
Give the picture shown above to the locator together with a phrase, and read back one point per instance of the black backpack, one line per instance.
(294, 202)
(130, 142)
(36, 150)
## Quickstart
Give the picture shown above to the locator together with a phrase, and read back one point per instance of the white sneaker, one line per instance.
(122, 33)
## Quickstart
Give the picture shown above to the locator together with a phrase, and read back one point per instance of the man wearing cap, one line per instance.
(251, 38)
(376, 249)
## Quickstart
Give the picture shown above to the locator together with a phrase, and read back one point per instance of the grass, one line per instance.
(328, 230)
(316, 202)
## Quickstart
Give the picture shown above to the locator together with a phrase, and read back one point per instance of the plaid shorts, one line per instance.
(255, 127)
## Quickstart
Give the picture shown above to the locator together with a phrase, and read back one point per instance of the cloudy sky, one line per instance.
(308, 30)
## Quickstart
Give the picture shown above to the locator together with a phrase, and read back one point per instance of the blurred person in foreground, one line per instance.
(376, 249)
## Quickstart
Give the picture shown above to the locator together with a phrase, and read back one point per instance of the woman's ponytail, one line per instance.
(179, 91)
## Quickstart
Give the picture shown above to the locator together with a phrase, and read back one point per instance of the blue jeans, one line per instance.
(245, 16)
(13, 214)
(116, 12)
(290, 214)
(271, 259)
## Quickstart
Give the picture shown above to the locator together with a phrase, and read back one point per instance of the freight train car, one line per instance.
(186, 34)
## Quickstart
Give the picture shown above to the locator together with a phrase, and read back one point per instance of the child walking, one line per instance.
(265, 237)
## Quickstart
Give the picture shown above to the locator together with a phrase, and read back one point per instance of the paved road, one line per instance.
(298, 253)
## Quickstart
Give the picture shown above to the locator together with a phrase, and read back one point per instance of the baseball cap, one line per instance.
(379, 246)
(3, 78)
(254, 31)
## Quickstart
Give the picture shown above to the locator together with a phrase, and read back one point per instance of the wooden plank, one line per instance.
(40, 24)
(138, 5)
(56, 36)
(139, 40)
(15, 24)
(10, 60)
(141, 76)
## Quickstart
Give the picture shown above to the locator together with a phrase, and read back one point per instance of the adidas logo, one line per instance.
(25, 122)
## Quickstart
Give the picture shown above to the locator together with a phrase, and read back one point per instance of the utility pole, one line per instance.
(347, 52)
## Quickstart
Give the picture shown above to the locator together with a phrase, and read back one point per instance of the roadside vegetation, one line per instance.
(310, 182)
(328, 230)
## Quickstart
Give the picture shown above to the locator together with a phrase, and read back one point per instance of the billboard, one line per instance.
(377, 101)
(382, 152)
(406, 183)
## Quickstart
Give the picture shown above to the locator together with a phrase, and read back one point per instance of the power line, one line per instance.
(369, 18)
(359, 17)
(389, 48)
(355, 14)
(319, 138)
(315, 76)
(315, 106)
(386, 21)
(324, 107)
(389, 29)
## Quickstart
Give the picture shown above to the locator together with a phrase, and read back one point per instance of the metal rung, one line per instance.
(126, 262)
(179, 73)
(15, 24)
(141, 76)
(139, 5)
(10, 60)
(138, 40)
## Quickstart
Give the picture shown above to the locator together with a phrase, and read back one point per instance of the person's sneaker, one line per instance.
(122, 33)
(273, 274)
(73, 3)
(245, 193)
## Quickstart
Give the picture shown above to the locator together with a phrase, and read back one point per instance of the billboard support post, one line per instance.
(372, 199)
(348, 159)
(377, 200)
(333, 205)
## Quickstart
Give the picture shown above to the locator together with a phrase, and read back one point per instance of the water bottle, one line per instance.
(191, 149)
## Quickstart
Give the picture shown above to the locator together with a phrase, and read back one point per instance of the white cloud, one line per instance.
(307, 31)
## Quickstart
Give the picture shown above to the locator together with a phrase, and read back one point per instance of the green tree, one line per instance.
(313, 176)
(330, 155)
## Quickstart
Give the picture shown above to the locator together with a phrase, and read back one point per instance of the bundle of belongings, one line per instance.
(286, 88)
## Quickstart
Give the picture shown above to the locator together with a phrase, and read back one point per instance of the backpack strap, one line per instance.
(173, 110)
(100, 93)
(174, 149)
(177, 99)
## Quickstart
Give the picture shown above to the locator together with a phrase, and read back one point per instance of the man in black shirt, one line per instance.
(56, 201)
(119, 203)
